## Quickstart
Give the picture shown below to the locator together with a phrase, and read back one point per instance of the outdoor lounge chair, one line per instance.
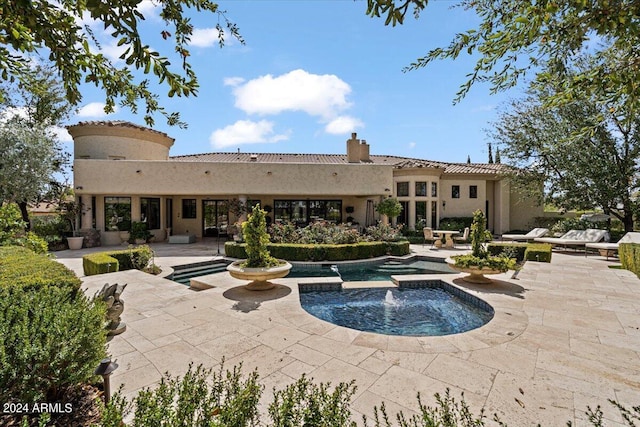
(535, 233)
(576, 238)
(610, 248)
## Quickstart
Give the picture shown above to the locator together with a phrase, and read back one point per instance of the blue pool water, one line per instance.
(368, 271)
(349, 272)
(429, 311)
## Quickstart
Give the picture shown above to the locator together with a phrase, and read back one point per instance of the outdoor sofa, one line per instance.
(576, 238)
(535, 233)
(609, 248)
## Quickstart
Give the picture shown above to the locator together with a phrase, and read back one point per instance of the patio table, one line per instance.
(447, 233)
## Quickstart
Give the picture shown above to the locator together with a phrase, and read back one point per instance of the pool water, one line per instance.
(350, 272)
(368, 272)
(427, 311)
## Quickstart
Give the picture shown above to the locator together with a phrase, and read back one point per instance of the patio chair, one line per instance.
(428, 236)
(464, 238)
(535, 233)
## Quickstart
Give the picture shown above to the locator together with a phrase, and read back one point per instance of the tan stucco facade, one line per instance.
(126, 161)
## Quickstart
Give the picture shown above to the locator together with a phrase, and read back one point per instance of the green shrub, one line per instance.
(201, 398)
(321, 252)
(51, 228)
(133, 258)
(629, 254)
(11, 223)
(540, 252)
(304, 403)
(21, 267)
(50, 340)
(567, 224)
(99, 263)
(455, 223)
(508, 249)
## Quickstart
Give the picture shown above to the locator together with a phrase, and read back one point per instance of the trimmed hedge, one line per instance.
(629, 254)
(540, 252)
(21, 267)
(323, 252)
(120, 260)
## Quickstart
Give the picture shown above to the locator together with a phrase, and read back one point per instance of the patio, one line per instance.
(565, 335)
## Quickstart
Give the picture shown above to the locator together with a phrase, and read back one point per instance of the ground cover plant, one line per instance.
(216, 398)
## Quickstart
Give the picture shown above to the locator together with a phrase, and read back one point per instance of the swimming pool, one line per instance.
(368, 271)
(352, 271)
(432, 309)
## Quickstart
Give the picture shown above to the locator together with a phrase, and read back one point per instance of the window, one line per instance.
(421, 215)
(403, 218)
(150, 212)
(434, 189)
(117, 213)
(189, 208)
(421, 189)
(473, 191)
(455, 191)
(402, 188)
(301, 212)
(251, 203)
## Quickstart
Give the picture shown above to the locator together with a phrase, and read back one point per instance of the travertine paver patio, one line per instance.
(565, 335)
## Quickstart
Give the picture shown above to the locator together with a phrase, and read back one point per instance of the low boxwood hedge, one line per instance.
(120, 260)
(21, 267)
(323, 252)
(521, 251)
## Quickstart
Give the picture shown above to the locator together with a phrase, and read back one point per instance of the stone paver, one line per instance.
(565, 335)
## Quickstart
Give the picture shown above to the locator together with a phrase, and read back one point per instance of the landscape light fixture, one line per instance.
(105, 369)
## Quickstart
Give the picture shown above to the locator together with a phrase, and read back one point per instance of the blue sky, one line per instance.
(312, 72)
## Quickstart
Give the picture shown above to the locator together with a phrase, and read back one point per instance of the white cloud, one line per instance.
(245, 132)
(412, 145)
(94, 109)
(204, 37)
(323, 96)
(343, 124)
(233, 81)
(61, 134)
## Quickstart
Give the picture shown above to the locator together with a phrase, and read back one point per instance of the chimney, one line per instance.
(364, 151)
(353, 149)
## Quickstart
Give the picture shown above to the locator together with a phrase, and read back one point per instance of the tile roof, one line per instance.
(119, 123)
(395, 161)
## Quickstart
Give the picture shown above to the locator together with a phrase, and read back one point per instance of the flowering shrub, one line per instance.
(384, 232)
(317, 232)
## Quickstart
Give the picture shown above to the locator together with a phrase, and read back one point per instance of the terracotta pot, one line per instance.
(259, 276)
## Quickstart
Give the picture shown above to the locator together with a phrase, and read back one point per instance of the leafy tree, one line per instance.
(584, 152)
(58, 32)
(515, 37)
(33, 163)
(390, 207)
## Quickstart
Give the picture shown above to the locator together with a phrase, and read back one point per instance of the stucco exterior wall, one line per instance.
(124, 177)
(413, 175)
(463, 206)
(523, 211)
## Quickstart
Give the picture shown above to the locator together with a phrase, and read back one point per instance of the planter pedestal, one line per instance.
(259, 276)
(476, 275)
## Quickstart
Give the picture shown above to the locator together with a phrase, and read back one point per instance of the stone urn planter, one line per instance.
(259, 276)
(75, 243)
(111, 238)
(476, 275)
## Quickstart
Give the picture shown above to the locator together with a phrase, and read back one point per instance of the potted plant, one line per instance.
(70, 211)
(139, 233)
(479, 263)
(260, 266)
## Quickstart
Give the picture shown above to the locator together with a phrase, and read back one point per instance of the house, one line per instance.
(123, 172)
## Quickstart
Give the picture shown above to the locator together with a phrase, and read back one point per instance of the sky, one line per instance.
(312, 72)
